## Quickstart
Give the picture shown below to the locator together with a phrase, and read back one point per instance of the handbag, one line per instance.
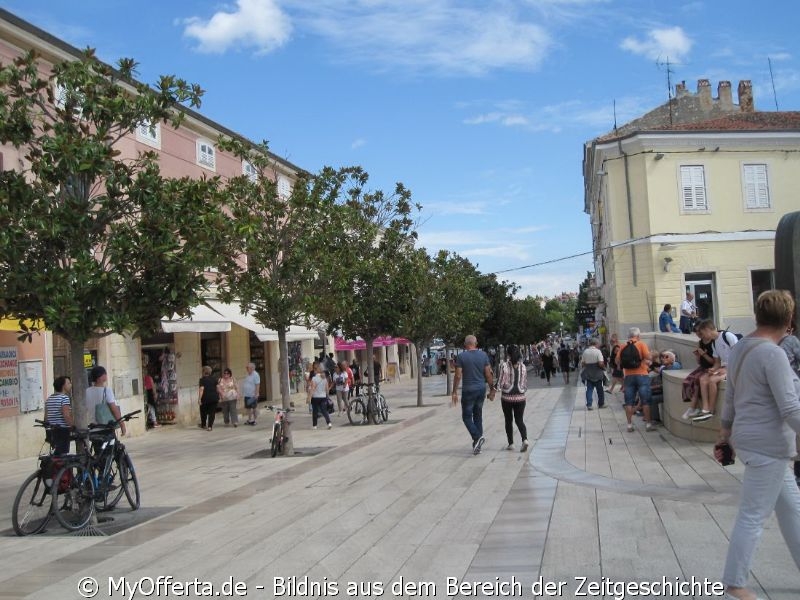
(103, 414)
(329, 406)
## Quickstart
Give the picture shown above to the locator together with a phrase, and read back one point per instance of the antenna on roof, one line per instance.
(772, 79)
(615, 113)
(668, 68)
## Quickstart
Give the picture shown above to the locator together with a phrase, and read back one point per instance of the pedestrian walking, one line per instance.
(228, 396)
(613, 360)
(513, 383)
(318, 387)
(564, 362)
(593, 373)
(250, 386)
(760, 419)
(208, 399)
(548, 364)
(341, 382)
(473, 370)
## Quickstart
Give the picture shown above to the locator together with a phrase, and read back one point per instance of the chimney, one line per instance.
(680, 89)
(725, 95)
(746, 96)
(704, 93)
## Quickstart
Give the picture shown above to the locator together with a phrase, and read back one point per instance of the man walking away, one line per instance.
(474, 370)
(635, 360)
(593, 373)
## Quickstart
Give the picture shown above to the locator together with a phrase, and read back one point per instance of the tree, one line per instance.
(373, 266)
(283, 242)
(447, 300)
(499, 296)
(93, 242)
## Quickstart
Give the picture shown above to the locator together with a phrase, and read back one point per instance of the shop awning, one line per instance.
(201, 320)
(218, 316)
(342, 345)
(13, 324)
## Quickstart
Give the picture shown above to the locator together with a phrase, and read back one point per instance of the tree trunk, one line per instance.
(370, 360)
(283, 374)
(79, 384)
(447, 369)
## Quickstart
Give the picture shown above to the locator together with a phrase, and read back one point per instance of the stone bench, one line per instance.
(674, 407)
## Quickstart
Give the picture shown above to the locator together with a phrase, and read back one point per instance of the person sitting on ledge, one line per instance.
(723, 341)
(691, 384)
(666, 324)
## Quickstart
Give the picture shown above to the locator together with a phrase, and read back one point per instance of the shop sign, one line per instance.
(9, 377)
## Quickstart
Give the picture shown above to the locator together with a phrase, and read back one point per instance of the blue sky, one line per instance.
(480, 108)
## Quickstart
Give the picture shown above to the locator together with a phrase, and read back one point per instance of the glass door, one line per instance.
(702, 286)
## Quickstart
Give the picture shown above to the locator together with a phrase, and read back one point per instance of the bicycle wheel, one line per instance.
(275, 442)
(109, 487)
(356, 411)
(374, 413)
(129, 481)
(73, 496)
(31, 511)
(383, 407)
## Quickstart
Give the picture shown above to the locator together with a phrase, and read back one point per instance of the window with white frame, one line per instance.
(149, 133)
(693, 188)
(206, 155)
(249, 171)
(756, 186)
(61, 94)
(284, 187)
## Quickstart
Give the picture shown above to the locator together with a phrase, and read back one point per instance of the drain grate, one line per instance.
(298, 452)
(122, 519)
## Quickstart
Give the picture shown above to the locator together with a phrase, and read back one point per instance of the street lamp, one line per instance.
(561, 329)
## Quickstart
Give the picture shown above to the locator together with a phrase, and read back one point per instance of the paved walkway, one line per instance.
(406, 503)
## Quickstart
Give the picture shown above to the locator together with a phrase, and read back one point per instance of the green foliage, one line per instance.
(93, 240)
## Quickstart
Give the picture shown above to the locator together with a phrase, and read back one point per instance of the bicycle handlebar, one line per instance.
(113, 424)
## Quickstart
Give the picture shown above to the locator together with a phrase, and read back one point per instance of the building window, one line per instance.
(249, 171)
(206, 156)
(756, 186)
(62, 94)
(761, 281)
(149, 133)
(284, 187)
(693, 188)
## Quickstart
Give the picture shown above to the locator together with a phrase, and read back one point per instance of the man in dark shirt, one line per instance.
(473, 368)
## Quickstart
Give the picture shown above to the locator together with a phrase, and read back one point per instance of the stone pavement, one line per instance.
(406, 503)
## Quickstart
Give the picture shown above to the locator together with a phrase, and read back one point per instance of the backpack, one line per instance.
(629, 357)
(722, 334)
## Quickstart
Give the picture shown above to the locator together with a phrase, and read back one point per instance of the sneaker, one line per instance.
(510, 447)
(649, 427)
(314, 427)
(704, 415)
(524, 446)
(689, 413)
(235, 424)
(476, 448)
(630, 427)
(588, 408)
(330, 425)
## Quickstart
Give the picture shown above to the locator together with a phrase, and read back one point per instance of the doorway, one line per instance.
(702, 286)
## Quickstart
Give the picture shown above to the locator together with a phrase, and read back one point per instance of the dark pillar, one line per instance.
(787, 258)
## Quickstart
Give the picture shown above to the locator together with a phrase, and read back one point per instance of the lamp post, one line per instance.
(561, 329)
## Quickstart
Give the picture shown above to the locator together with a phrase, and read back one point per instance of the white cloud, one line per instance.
(258, 24)
(668, 42)
(357, 143)
(424, 35)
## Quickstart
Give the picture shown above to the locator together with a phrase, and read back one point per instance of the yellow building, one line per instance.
(687, 198)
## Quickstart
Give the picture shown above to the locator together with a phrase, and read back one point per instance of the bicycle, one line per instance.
(278, 440)
(96, 477)
(33, 503)
(370, 407)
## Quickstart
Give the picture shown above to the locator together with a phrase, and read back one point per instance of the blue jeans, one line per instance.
(472, 411)
(595, 385)
(768, 485)
(633, 384)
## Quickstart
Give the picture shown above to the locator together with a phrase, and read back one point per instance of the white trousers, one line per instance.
(768, 485)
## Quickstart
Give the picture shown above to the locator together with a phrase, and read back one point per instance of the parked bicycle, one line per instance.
(96, 477)
(33, 503)
(277, 442)
(368, 406)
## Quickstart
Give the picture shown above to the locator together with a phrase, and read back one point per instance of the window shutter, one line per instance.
(693, 188)
(756, 188)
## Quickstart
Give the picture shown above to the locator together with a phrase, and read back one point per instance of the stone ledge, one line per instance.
(674, 407)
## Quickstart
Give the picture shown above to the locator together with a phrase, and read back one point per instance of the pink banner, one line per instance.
(342, 345)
